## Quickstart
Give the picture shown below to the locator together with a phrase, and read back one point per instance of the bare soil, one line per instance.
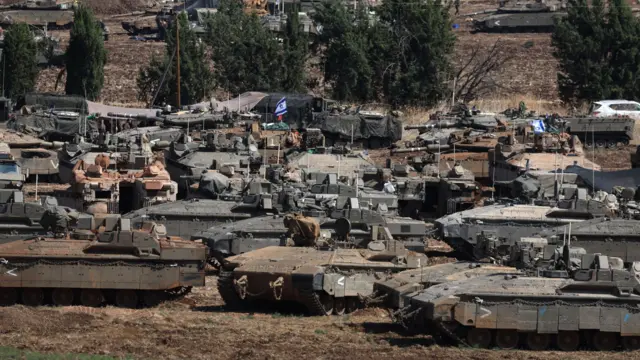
(198, 327)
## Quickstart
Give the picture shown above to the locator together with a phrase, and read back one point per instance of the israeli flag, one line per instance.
(281, 107)
(538, 126)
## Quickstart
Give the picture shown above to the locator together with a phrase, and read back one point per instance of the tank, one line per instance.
(610, 132)
(522, 17)
(614, 237)
(395, 290)
(254, 233)
(461, 230)
(592, 302)
(20, 219)
(324, 282)
(103, 261)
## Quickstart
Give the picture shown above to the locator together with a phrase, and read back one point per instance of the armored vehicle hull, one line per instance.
(120, 266)
(259, 232)
(51, 19)
(404, 283)
(518, 22)
(460, 230)
(604, 132)
(596, 307)
(325, 282)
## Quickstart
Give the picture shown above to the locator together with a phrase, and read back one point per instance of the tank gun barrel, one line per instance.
(431, 147)
(441, 124)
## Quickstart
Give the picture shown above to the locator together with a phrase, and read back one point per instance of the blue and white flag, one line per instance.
(538, 126)
(281, 107)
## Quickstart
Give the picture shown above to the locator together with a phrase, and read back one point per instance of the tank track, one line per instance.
(227, 290)
(311, 301)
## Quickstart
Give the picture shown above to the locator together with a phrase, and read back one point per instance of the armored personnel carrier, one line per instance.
(591, 302)
(325, 282)
(609, 132)
(103, 261)
(524, 16)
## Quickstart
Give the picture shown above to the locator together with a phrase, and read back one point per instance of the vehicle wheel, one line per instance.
(537, 341)
(91, 297)
(600, 144)
(625, 142)
(568, 340)
(605, 341)
(62, 297)
(352, 304)
(612, 144)
(339, 305)
(32, 296)
(327, 303)
(631, 342)
(479, 338)
(588, 144)
(507, 339)
(154, 298)
(126, 299)
(8, 296)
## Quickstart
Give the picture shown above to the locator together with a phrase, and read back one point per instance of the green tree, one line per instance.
(245, 54)
(295, 50)
(598, 50)
(159, 79)
(86, 56)
(420, 68)
(20, 64)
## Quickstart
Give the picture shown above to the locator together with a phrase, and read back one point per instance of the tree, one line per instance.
(20, 65)
(403, 56)
(157, 83)
(420, 65)
(598, 51)
(295, 51)
(245, 54)
(86, 56)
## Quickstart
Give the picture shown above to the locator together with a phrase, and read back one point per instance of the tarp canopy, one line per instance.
(607, 180)
(56, 101)
(362, 127)
(102, 109)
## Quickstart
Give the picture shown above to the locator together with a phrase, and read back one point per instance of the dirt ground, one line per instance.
(198, 328)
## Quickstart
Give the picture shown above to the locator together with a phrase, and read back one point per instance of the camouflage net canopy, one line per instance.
(362, 127)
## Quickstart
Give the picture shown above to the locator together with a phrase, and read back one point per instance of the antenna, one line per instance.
(593, 162)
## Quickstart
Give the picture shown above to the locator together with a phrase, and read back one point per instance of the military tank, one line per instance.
(324, 282)
(102, 261)
(592, 302)
(270, 230)
(538, 15)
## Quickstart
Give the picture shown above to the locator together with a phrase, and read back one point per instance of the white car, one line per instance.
(606, 108)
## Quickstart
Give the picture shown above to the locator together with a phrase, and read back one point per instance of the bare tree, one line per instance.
(475, 76)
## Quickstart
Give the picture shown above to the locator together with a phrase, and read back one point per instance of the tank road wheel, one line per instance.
(8, 296)
(479, 338)
(568, 340)
(327, 302)
(612, 144)
(507, 339)
(32, 296)
(352, 304)
(126, 299)
(600, 143)
(589, 144)
(62, 297)
(631, 342)
(91, 297)
(153, 298)
(537, 341)
(605, 341)
(340, 305)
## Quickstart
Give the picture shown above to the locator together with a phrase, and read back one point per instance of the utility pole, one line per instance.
(178, 58)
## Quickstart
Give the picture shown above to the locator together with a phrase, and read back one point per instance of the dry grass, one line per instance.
(199, 328)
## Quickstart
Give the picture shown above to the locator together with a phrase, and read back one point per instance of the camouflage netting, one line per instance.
(607, 180)
(49, 126)
(363, 127)
(56, 102)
